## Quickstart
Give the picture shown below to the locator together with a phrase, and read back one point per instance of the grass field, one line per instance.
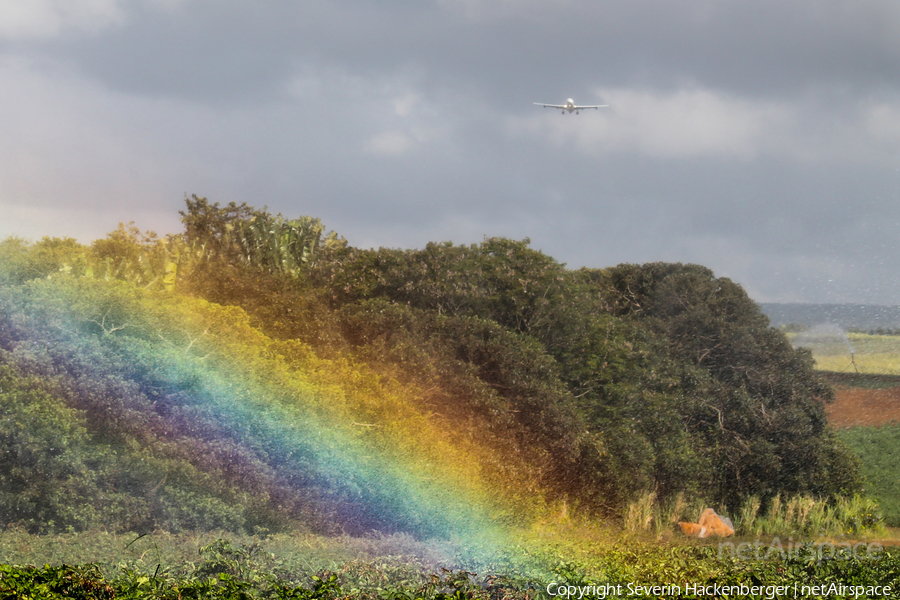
(838, 352)
(533, 565)
(879, 451)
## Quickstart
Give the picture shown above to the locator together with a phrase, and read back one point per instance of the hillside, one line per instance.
(255, 374)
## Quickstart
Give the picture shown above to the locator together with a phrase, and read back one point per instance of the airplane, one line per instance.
(570, 106)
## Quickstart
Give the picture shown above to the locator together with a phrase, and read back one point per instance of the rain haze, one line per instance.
(761, 139)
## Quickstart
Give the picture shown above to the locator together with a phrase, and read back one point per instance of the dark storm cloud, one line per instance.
(219, 50)
(223, 51)
(759, 138)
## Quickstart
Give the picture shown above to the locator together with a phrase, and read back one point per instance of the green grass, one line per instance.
(798, 516)
(879, 451)
(162, 566)
(810, 517)
(303, 552)
(874, 354)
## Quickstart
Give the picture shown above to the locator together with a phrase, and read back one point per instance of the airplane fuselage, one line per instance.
(570, 106)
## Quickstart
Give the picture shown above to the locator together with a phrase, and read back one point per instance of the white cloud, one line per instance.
(682, 124)
(390, 143)
(28, 19)
(694, 123)
(865, 132)
(20, 19)
(882, 122)
(385, 116)
(40, 19)
(404, 104)
(70, 148)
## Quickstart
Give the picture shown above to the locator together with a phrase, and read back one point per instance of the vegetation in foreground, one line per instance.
(306, 566)
(798, 517)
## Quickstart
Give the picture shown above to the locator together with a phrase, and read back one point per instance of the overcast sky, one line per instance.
(759, 138)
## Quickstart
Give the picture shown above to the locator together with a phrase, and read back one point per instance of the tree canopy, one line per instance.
(254, 372)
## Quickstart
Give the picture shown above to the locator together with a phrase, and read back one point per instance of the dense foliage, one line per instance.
(260, 569)
(255, 373)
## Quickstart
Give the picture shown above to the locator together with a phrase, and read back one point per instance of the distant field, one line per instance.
(866, 410)
(879, 449)
(864, 406)
(838, 352)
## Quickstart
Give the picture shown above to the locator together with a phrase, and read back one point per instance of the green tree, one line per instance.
(21, 261)
(766, 413)
(243, 234)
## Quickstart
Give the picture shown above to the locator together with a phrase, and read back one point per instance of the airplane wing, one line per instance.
(550, 105)
(595, 106)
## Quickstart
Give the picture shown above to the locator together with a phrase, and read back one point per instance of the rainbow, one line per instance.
(328, 436)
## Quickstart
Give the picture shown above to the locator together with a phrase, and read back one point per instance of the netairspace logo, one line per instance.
(769, 592)
(808, 551)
